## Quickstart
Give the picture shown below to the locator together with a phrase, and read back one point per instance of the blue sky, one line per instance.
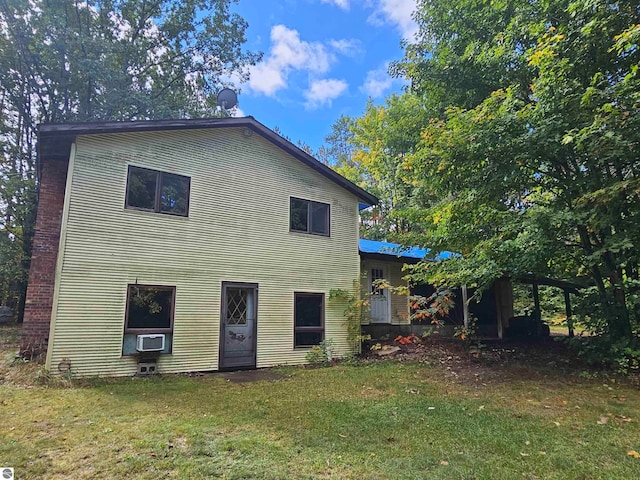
(322, 58)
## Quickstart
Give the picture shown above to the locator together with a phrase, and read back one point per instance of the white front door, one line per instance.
(380, 301)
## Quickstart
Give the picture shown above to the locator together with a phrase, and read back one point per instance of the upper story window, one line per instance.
(309, 217)
(158, 192)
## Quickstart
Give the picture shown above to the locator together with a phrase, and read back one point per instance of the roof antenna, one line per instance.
(226, 100)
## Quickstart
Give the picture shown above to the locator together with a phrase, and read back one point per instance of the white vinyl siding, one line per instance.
(237, 231)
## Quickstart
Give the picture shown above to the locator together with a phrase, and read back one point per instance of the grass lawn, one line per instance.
(560, 329)
(441, 416)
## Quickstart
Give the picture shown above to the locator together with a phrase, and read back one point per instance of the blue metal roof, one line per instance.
(397, 251)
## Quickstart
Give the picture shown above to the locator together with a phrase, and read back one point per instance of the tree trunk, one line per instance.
(618, 320)
(617, 317)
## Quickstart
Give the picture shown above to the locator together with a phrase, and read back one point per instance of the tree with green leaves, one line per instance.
(532, 146)
(370, 151)
(91, 60)
(339, 147)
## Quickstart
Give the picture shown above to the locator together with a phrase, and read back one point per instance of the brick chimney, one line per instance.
(42, 274)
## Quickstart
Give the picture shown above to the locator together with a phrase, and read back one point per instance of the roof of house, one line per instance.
(380, 250)
(55, 139)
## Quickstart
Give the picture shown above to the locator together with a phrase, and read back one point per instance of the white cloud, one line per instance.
(288, 49)
(237, 112)
(377, 82)
(287, 53)
(323, 91)
(343, 4)
(398, 13)
(349, 48)
(268, 78)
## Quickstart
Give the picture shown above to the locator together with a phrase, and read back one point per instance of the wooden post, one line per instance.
(537, 312)
(504, 304)
(465, 305)
(567, 304)
(536, 299)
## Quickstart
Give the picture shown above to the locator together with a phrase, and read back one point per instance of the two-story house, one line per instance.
(202, 244)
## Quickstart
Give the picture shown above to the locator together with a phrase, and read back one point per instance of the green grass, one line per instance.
(558, 327)
(371, 421)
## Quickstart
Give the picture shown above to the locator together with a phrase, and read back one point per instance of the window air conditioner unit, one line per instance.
(150, 343)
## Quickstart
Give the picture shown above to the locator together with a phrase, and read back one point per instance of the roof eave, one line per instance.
(387, 257)
(55, 141)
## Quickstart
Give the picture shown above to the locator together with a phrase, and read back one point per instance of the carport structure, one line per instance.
(568, 288)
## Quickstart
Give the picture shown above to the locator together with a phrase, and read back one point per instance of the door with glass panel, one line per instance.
(380, 301)
(238, 325)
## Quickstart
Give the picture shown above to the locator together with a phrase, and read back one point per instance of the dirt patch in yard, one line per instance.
(497, 361)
